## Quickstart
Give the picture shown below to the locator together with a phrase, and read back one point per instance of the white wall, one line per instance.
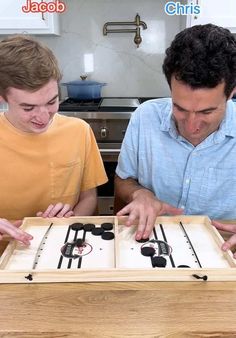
(127, 70)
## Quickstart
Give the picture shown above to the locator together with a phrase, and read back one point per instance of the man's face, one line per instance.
(32, 112)
(197, 112)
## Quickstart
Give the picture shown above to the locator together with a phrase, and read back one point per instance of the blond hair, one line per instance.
(26, 64)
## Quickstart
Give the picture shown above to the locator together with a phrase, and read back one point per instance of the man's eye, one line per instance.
(179, 109)
(28, 109)
(207, 112)
(51, 103)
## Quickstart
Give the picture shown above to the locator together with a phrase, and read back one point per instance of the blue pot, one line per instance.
(84, 89)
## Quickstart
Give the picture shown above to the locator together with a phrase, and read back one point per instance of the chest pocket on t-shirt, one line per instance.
(218, 189)
(65, 179)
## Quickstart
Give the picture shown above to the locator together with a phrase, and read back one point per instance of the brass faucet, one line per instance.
(137, 22)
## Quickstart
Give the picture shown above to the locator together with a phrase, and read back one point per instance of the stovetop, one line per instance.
(106, 104)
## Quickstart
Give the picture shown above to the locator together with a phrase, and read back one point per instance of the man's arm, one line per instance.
(87, 203)
(142, 205)
(126, 188)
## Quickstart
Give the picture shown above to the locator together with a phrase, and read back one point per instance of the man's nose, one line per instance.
(43, 115)
(192, 123)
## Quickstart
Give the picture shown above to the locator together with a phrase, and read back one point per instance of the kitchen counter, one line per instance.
(98, 115)
(118, 309)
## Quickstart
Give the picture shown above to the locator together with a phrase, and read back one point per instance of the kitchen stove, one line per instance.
(106, 104)
(108, 118)
(82, 105)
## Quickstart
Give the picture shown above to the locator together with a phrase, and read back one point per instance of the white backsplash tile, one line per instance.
(127, 70)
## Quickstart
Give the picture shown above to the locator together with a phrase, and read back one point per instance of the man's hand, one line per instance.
(12, 230)
(145, 207)
(227, 245)
(57, 210)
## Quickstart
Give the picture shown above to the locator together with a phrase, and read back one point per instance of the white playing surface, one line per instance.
(208, 252)
(128, 250)
(101, 256)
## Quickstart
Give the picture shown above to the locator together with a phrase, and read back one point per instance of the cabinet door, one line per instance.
(218, 12)
(14, 20)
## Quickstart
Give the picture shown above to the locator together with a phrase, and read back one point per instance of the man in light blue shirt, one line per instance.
(179, 154)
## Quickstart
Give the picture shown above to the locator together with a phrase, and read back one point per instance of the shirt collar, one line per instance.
(228, 125)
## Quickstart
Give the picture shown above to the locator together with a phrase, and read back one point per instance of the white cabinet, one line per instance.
(14, 20)
(218, 12)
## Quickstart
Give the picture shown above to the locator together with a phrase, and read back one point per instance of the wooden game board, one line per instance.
(189, 246)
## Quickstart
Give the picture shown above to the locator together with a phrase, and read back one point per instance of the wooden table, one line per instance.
(118, 309)
(128, 309)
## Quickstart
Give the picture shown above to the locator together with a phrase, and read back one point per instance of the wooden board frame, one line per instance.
(116, 273)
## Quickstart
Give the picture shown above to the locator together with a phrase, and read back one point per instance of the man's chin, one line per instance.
(38, 129)
(195, 140)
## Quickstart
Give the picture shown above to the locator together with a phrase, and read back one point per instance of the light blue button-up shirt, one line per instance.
(201, 179)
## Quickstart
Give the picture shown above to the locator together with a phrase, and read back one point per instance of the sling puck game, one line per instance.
(86, 249)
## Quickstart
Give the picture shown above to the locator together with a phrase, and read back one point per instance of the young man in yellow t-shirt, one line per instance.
(50, 164)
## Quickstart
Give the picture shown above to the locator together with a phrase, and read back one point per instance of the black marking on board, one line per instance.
(85, 230)
(155, 236)
(66, 239)
(153, 257)
(155, 233)
(165, 239)
(190, 243)
(70, 260)
(80, 259)
(39, 252)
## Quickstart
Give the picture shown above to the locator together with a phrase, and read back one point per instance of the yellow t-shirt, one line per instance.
(39, 169)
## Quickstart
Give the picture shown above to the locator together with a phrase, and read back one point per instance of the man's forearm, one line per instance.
(87, 204)
(84, 208)
(127, 188)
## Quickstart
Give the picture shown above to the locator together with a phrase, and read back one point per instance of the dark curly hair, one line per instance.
(202, 56)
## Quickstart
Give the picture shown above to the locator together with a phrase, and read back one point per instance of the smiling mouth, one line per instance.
(39, 125)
